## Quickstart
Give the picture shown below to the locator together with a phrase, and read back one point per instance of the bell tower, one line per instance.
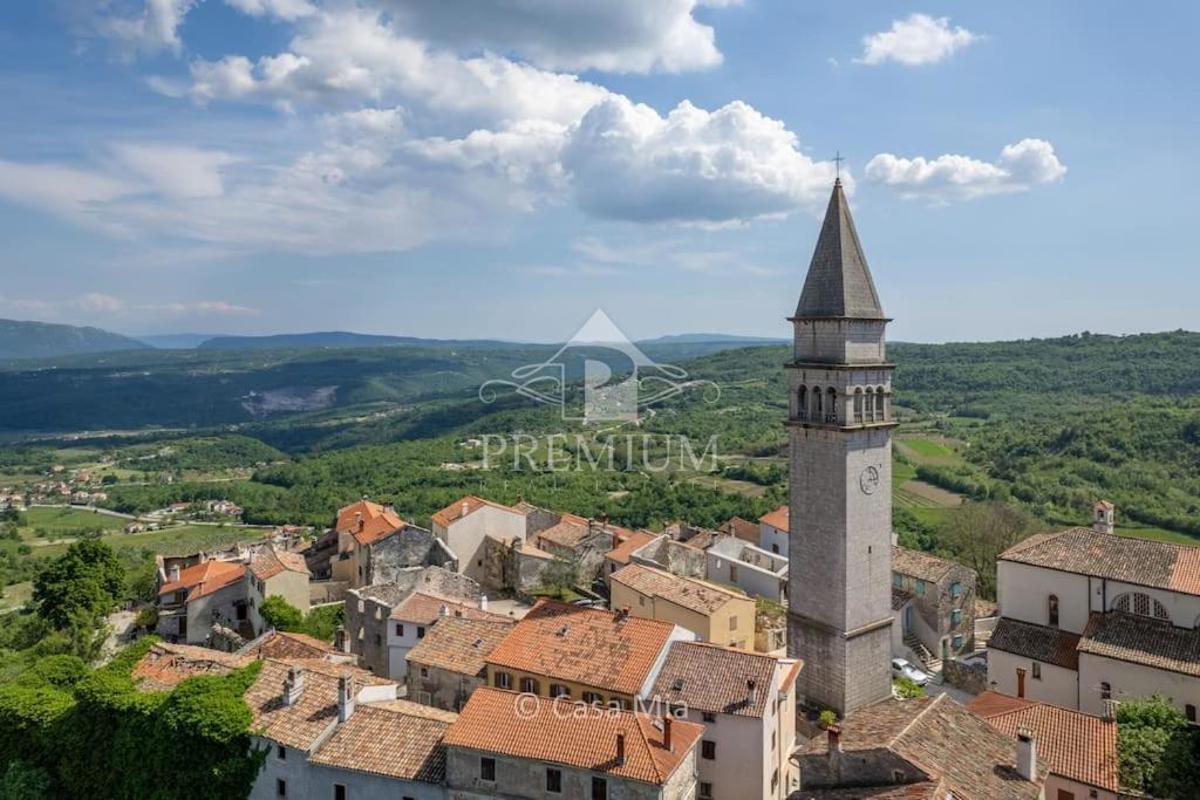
(840, 436)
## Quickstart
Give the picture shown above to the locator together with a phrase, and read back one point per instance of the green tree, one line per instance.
(87, 578)
(280, 614)
(976, 533)
(1157, 749)
(24, 781)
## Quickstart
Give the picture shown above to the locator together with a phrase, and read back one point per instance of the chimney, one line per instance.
(1026, 754)
(483, 602)
(751, 691)
(466, 507)
(1110, 709)
(1104, 517)
(620, 748)
(345, 700)
(293, 686)
(667, 732)
(444, 611)
(834, 736)
(174, 573)
(359, 523)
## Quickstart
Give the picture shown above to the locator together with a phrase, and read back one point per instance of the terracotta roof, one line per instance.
(922, 790)
(460, 645)
(165, 666)
(716, 679)
(624, 550)
(568, 533)
(1145, 562)
(1078, 746)
(416, 709)
(267, 562)
(494, 721)
(1039, 642)
(377, 521)
(426, 609)
(205, 578)
(920, 565)
(461, 508)
(743, 529)
(1142, 640)
(696, 595)
(283, 644)
(944, 740)
(777, 519)
(590, 646)
(383, 740)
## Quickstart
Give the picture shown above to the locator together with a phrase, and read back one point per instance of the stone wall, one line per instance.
(970, 676)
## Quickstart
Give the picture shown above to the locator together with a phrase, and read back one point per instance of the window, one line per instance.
(503, 680)
(708, 749)
(897, 580)
(733, 623)
(529, 686)
(378, 639)
(1036, 670)
(956, 616)
(641, 600)
(958, 641)
(553, 780)
(709, 717)
(897, 776)
(599, 789)
(775, 549)
(339, 791)
(425, 698)
(705, 791)
(424, 672)
(487, 769)
(420, 631)
(399, 629)
(558, 690)
(280, 787)
(1189, 711)
(1052, 610)
(1106, 691)
(591, 698)
(281, 752)
(772, 741)
(920, 588)
(956, 590)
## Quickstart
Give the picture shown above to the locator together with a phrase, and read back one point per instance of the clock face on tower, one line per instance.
(868, 481)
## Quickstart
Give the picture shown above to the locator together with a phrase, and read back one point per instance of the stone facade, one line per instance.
(840, 479)
(410, 547)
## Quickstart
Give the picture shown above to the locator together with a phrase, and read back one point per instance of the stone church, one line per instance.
(840, 435)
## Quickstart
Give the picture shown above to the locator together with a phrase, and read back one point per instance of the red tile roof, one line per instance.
(633, 541)
(426, 609)
(461, 508)
(589, 646)
(205, 578)
(743, 529)
(460, 645)
(267, 562)
(1039, 642)
(381, 739)
(777, 519)
(375, 523)
(286, 645)
(716, 679)
(1075, 745)
(690, 593)
(1142, 640)
(165, 666)
(546, 730)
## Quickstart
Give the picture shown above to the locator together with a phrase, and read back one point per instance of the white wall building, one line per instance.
(465, 524)
(755, 571)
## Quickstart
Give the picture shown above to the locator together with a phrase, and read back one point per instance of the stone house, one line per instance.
(594, 655)
(773, 531)
(277, 572)
(409, 547)
(359, 525)
(1089, 617)
(466, 524)
(193, 599)
(747, 705)
(620, 555)
(502, 746)
(1080, 750)
(933, 600)
(714, 613)
(450, 663)
(755, 571)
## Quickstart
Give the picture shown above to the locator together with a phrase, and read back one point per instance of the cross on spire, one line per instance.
(837, 160)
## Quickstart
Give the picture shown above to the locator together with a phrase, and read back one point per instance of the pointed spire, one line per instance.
(839, 283)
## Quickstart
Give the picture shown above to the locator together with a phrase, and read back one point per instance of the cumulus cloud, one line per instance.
(176, 171)
(916, 40)
(134, 27)
(281, 9)
(611, 36)
(109, 305)
(627, 162)
(1020, 167)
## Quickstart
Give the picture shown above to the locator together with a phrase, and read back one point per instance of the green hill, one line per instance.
(20, 339)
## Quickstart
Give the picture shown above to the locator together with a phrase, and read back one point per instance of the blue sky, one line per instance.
(488, 168)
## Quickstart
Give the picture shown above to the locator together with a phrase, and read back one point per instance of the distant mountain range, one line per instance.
(45, 340)
(22, 339)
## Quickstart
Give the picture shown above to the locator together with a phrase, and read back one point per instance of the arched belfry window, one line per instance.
(881, 402)
(869, 412)
(1052, 611)
(802, 402)
(831, 409)
(818, 409)
(858, 405)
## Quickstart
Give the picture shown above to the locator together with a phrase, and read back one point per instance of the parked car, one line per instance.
(903, 668)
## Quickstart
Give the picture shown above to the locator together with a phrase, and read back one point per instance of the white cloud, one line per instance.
(918, 39)
(176, 171)
(134, 27)
(100, 303)
(282, 9)
(611, 36)
(1021, 166)
(625, 161)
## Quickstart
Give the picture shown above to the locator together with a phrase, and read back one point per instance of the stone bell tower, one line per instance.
(840, 434)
